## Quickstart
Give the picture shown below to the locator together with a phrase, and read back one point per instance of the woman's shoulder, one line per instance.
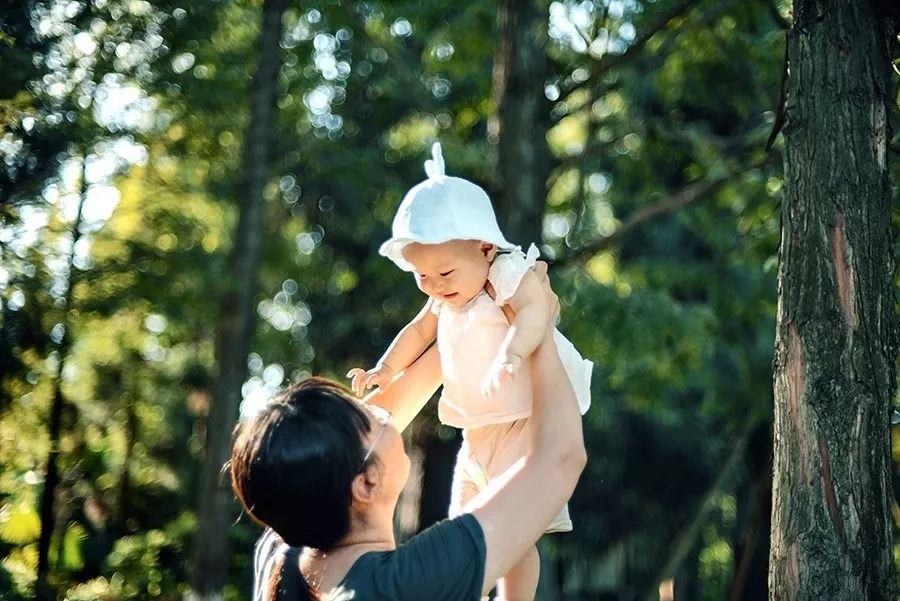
(444, 562)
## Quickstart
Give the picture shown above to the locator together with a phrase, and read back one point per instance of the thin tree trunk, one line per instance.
(211, 550)
(836, 333)
(686, 539)
(748, 581)
(687, 577)
(51, 477)
(437, 470)
(519, 127)
(123, 508)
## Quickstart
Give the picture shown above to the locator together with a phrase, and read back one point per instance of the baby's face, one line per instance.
(453, 272)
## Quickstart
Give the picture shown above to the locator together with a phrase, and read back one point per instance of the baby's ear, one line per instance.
(489, 251)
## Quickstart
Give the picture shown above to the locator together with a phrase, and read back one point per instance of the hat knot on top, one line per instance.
(434, 167)
(440, 209)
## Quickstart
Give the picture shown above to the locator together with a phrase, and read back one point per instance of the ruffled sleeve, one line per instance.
(507, 271)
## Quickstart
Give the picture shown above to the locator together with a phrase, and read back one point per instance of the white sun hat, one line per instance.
(441, 209)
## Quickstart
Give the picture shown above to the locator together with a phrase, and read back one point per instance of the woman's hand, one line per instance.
(530, 312)
(540, 270)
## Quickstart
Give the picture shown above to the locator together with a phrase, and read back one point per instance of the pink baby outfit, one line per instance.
(496, 429)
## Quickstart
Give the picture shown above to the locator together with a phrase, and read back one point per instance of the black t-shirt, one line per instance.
(442, 563)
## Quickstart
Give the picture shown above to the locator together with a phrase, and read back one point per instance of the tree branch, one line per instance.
(782, 99)
(609, 61)
(684, 197)
(776, 15)
(576, 160)
(404, 61)
(685, 539)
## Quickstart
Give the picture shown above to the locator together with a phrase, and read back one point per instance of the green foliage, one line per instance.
(19, 525)
(678, 316)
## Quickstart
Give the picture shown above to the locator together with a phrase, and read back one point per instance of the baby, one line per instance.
(445, 232)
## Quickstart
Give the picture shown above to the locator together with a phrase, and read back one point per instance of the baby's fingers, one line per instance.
(358, 383)
(374, 380)
(487, 387)
(353, 374)
(491, 383)
(507, 372)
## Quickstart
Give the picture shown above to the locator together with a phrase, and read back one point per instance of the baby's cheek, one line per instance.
(478, 278)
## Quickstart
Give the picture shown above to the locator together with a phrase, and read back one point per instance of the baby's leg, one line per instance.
(520, 583)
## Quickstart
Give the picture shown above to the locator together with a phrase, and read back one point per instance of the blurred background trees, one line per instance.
(630, 136)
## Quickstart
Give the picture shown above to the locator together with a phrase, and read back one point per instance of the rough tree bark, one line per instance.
(519, 127)
(236, 319)
(836, 338)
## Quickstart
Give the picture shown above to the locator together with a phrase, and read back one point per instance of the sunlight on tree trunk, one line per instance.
(211, 550)
(836, 337)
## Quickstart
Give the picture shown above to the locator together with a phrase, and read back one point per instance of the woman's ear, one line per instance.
(364, 488)
(489, 251)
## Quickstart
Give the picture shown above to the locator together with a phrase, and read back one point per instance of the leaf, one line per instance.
(72, 540)
(19, 524)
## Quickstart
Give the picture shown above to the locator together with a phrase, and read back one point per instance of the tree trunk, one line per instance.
(687, 577)
(836, 333)
(751, 550)
(687, 536)
(519, 127)
(211, 553)
(437, 472)
(58, 403)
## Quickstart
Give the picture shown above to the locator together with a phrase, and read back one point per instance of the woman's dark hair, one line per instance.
(293, 464)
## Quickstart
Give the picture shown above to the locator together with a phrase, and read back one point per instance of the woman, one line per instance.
(324, 472)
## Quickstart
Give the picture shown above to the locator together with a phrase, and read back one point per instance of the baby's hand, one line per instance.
(504, 369)
(361, 380)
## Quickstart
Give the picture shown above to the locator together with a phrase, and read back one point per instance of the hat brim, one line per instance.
(393, 248)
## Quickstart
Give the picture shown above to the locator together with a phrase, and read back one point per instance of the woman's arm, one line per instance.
(517, 507)
(408, 392)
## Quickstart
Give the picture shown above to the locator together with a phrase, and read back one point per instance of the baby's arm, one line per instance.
(413, 339)
(406, 347)
(526, 330)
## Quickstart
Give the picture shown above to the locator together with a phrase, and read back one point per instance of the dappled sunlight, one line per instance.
(184, 229)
